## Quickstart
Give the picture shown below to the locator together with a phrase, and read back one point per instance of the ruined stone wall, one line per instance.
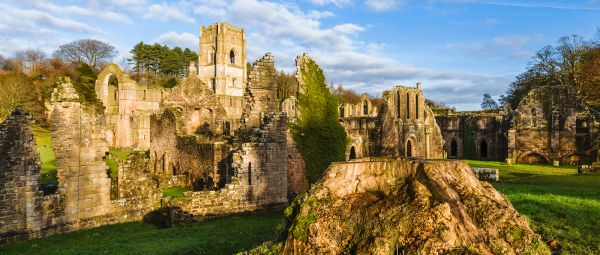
(408, 126)
(198, 109)
(364, 108)
(259, 178)
(79, 143)
(295, 164)
(474, 135)
(544, 128)
(82, 199)
(362, 133)
(261, 92)
(21, 204)
(128, 107)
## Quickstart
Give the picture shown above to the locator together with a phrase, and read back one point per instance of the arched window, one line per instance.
(232, 57)
(144, 94)
(365, 108)
(211, 57)
(352, 153)
(341, 111)
(533, 117)
(483, 149)
(407, 106)
(409, 148)
(397, 104)
(417, 106)
(453, 148)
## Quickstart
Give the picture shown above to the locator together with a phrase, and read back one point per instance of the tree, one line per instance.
(17, 91)
(30, 59)
(91, 52)
(488, 103)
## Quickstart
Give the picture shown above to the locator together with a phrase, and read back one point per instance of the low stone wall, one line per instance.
(486, 174)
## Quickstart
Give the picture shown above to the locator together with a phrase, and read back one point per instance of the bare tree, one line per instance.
(30, 59)
(92, 52)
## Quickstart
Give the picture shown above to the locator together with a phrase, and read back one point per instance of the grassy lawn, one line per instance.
(222, 236)
(44, 144)
(560, 204)
(112, 164)
(175, 191)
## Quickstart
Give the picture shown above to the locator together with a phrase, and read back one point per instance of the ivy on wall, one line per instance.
(320, 137)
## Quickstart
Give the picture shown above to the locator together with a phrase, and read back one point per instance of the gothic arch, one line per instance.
(453, 150)
(411, 146)
(352, 154)
(232, 56)
(532, 157)
(483, 148)
(102, 83)
(575, 158)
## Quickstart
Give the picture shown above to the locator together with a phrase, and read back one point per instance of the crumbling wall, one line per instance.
(404, 126)
(128, 107)
(295, 164)
(19, 172)
(259, 178)
(466, 132)
(544, 128)
(261, 92)
(78, 140)
(363, 108)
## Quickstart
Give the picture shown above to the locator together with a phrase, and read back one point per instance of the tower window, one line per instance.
(232, 57)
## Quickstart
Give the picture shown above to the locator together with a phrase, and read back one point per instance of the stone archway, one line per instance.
(483, 149)
(453, 148)
(352, 153)
(532, 158)
(409, 148)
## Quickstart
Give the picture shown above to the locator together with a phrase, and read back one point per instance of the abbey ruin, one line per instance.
(222, 133)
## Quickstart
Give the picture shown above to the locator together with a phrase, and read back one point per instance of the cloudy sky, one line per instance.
(458, 49)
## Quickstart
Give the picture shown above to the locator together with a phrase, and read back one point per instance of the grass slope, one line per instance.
(44, 144)
(560, 204)
(221, 236)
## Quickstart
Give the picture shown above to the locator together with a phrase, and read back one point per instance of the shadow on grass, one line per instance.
(220, 236)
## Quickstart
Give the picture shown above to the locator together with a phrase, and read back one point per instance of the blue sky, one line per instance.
(458, 49)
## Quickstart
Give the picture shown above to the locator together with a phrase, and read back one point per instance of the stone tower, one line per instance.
(222, 65)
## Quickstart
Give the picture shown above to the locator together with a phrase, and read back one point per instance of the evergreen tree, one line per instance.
(488, 103)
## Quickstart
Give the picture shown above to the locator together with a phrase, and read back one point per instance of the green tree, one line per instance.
(488, 103)
(320, 137)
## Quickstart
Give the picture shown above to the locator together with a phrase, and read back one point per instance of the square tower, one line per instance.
(222, 66)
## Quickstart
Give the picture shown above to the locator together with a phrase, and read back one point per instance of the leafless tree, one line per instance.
(30, 59)
(92, 52)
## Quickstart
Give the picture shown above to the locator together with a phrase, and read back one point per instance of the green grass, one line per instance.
(175, 191)
(44, 144)
(560, 204)
(222, 236)
(112, 164)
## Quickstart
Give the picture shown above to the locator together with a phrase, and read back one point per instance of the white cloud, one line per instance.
(183, 40)
(90, 12)
(165, 12)
(383, 5)
(338, 3)
(348, 28)
(209, 11)
(15, 16)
